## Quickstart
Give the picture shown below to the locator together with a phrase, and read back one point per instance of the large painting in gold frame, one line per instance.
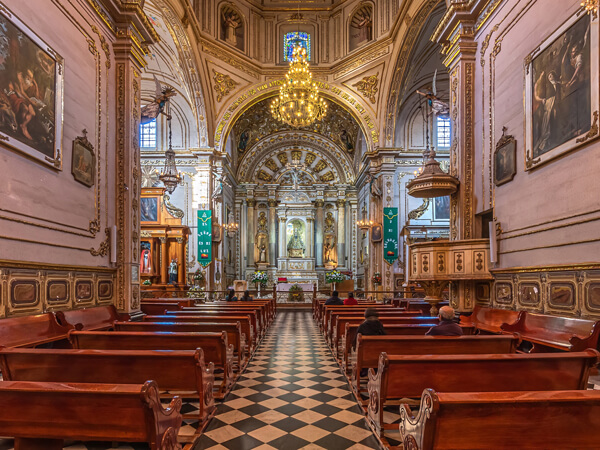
(31, 92)
(561, 91)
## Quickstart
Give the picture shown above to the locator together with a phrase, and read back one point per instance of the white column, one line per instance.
(282, 246)
(272, 232)
(319, 238)
(341, 232)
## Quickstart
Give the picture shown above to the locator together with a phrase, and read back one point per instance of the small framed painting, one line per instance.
(505, 165)
(83, 163)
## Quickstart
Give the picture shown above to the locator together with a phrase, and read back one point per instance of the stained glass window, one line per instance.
(148, 134)
(443, 131)
(290, 40)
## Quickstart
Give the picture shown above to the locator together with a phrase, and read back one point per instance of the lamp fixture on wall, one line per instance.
(170, 176)
(298, 103)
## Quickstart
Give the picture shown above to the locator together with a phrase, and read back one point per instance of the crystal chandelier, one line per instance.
(170, 175)
(298, 103)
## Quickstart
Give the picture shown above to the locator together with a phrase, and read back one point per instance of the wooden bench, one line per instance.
(252, 315)
(322, 309)
(564, 333)
(214, 346)
(329, 310)
(407, 327)
(503, 420)
(402, 376)
(262, 319)
(233, 330)
(490, 320)
(265, 307)
(158, 308)
(244, 321)
(173, 370)
(386, 313)
(31, 331)
(91, 319)
(339, 322)
(40, 415)
(368, 348)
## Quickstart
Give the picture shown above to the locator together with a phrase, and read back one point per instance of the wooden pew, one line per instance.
(173, 370)
(30, 331)
(328, 310)
(406, 327)
(234, 333)
(214, 346)
(266, 307)
(158, 308)
(91, 319)
(515, 420)
(490, 320)
(244, 321)
(181, 301)
(252, 315)
(40, 415)
(563, 333)
(368, 348)
(262, 320)
(339, 320)
(402, 376)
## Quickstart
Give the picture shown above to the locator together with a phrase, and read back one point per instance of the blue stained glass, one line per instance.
(290, 40)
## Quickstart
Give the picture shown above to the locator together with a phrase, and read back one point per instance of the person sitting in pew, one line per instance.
(350, 300)
(334, 299)
(246, 297)
(447, 326)
(231, 296)
(370, 327)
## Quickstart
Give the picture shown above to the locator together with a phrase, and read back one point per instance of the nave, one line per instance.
(291, 396)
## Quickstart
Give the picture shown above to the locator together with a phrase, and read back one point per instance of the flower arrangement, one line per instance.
(198, 275)
(296, 293)
(259, 277)
(146, 283)
(334, 277)
(196, 292)
(376, 279)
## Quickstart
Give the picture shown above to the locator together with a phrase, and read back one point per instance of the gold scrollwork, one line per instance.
(529, 161)
(593, 130)
(104, 245)
(223, 84)
(368, 86)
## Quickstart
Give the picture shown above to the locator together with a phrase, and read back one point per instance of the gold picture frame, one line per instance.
(83, 161)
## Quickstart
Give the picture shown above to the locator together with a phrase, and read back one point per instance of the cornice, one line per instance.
(461, 11)
(128, 12)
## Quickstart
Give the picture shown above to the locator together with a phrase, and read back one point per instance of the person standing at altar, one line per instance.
(350, 300)
(334, 299)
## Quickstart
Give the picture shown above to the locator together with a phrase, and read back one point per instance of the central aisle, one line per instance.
(291, 396)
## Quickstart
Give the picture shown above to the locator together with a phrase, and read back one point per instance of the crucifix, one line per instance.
(296, 167)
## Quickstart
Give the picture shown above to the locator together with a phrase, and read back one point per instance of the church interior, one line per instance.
(188, 186)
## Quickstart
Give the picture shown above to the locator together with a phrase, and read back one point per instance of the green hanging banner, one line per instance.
(390, 235)
(204, 237)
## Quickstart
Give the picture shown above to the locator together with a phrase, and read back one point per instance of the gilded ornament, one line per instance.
(264, 176)
(321, 165)
(223, 84)
(327, 177)
(368, 86)
(283, 158)
(269, 163)
(418, 212)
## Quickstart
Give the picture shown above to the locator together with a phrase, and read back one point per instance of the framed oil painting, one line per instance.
(149, 209)
(505, 164)
(561, 91)
(376, 233)
(31, 89)
(441, 208)
(83, 162)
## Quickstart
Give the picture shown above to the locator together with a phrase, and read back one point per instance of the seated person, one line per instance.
(231, 296)
(246, 297)
(334, 299)
(350, 300)
(370, 327)
(447, 326)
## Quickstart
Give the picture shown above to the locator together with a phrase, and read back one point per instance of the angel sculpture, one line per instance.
(436, 104)
(157, 106)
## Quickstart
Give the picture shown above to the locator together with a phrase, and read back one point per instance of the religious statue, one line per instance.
(243, 141)
(374, 186)
(146, 267)
(364, 25)
(439, 107)
(295, 246)
(262, 222)
(262, 254)
(231, 23)
(345, 138)
(173, 271)
(329, 222)
(157, 106)
(329, 249)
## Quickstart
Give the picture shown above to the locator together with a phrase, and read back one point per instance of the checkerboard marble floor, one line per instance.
(292, 396)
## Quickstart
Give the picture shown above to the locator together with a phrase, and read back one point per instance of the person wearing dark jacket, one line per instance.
(246, 297)
(334, 299)
(447, 326)
(231, 296)
(371, 326)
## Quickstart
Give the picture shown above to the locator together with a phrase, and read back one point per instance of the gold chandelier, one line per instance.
(298, 103)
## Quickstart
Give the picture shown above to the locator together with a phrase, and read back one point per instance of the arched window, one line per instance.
(443, 131)
(148, 134)
(292, 39)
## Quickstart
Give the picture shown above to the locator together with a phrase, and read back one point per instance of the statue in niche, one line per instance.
(295, 247)
(173, 271)
(329, 255)
(329, 222)
(262, 222)
(361, 27)
(231, 21)
(262, 240)
(374, 186)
